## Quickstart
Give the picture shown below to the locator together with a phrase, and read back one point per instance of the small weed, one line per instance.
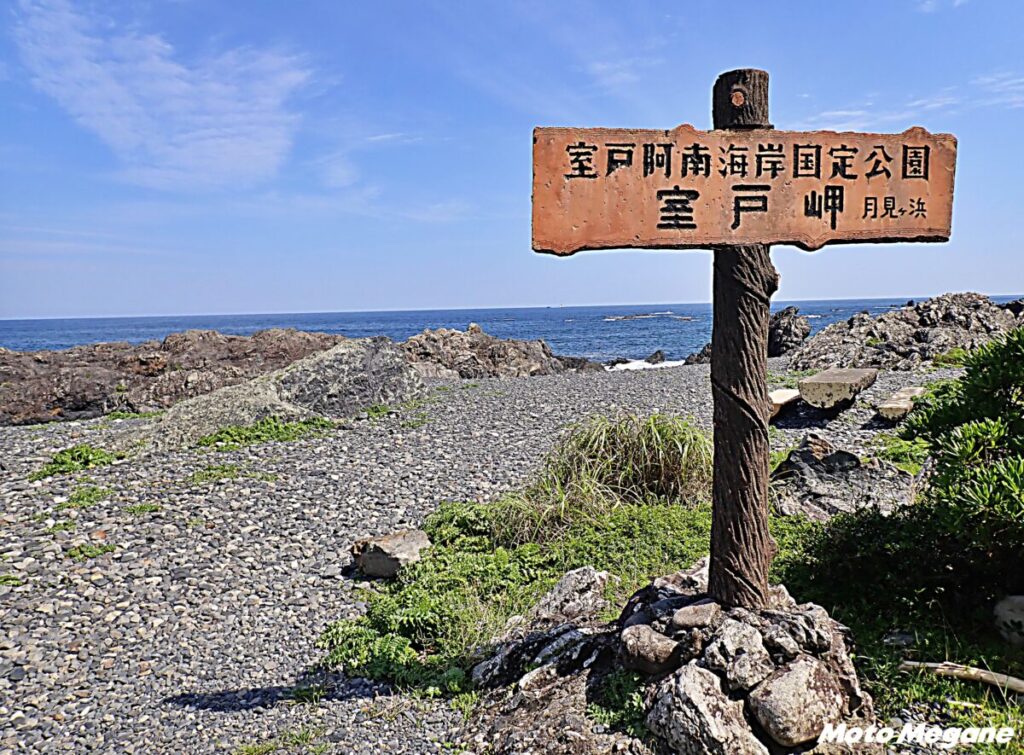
(266, 430)
(469, 386)
(416, 421)
(378, 411)
(9, 580)
(66, 526)
(142, 508)
(214, 473)
(84, 497)
(874, 342)
(908, 455)
(311, 695)
(263, 748)
(195, 522)
(620, 704)
(133, 415)
(75, 459)
(83, 552)
(789, 379)
(464, 702)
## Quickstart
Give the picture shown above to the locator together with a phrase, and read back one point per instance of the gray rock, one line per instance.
(475, 354)
(738, 652)
(578, 595)
(1009, 613)
(903, 339)
(700, 357)
(697, 615)
(645, 650)
(795, 702)
(787, 329)
(656, 358)
(338, 382)
(818, 480)
(695, 717)
(384, 556)
(836, 387)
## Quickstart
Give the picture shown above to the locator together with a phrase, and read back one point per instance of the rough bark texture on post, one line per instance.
(744, 281)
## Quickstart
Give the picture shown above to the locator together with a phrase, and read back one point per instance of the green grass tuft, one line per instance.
(9, 580)
(75, 459)
(955, 357)
(908, 455)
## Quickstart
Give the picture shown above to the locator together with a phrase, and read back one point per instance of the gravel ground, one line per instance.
(190, 634)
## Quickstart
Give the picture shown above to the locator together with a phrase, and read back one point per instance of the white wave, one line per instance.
(640, 364)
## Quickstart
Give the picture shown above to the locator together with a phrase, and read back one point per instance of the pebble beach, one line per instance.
(192, 632)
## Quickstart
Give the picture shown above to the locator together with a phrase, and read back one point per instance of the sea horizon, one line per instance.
(597, 331)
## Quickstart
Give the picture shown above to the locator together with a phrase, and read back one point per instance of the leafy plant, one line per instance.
(83, 552)
(142, 508)
(619, 704)
(270, 429)
(84, 496)
(75, 459)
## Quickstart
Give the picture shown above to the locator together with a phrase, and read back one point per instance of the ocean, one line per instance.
(596, 332)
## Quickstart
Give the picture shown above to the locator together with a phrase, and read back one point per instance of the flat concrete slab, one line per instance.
(899, 404)
(835, 386)
(782, 397)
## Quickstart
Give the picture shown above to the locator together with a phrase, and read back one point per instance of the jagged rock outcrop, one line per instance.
(819, 480)
(904, 338)
(700, 357)
(475, 354)
(787, 329)
(89, 381)
(717, 679)
(336, 383)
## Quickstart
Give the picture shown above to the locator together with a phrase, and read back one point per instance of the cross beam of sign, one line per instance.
(736, 190)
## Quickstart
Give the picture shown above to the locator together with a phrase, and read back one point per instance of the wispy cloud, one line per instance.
(215, 121)
(1005, 89)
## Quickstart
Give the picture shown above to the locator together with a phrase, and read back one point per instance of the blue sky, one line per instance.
(194, 156)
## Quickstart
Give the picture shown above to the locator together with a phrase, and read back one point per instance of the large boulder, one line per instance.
(89, 381)
(787, 329)
(904, 338)
(796, 701)
(475, 354)
(694, 716)
(336, 383)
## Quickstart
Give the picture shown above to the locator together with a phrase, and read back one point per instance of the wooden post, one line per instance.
(744, 281)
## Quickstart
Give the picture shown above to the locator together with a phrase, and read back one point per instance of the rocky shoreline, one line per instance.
(206, 576)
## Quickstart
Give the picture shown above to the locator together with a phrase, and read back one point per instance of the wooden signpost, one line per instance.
(736, 190)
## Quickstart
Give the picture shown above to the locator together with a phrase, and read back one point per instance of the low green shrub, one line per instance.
(270, 429)
(75, 459)
(619, 704)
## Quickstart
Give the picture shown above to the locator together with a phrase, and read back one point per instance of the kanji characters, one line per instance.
(676, 210)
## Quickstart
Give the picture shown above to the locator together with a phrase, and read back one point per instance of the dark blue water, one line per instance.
(598, 333)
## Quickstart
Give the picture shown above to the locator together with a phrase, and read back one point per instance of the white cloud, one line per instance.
(1005, 89)
(215, 121)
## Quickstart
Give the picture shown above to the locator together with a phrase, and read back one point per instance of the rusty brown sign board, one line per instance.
(596, 188)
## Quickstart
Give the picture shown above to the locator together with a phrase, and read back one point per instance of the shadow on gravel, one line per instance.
(805, 417)
(305, 689)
